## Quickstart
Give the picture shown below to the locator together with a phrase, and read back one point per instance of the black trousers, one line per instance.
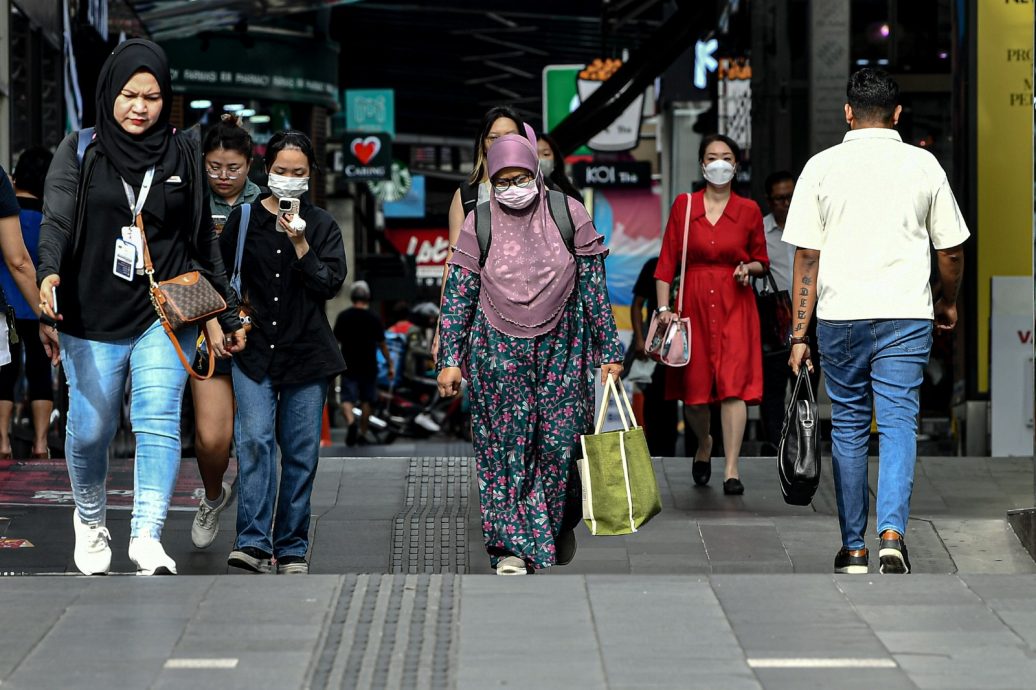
(661, 416)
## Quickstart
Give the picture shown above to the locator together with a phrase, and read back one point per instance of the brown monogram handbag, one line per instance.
(188, 298)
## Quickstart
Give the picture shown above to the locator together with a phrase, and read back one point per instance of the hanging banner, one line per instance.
(428, 246)
(1004, 104)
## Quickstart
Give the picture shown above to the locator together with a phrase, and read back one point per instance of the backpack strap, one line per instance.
(483, 228)
(86, 137)
(557, 202)
(242, 231)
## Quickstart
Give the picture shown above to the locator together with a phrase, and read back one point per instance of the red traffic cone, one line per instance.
(325, 430)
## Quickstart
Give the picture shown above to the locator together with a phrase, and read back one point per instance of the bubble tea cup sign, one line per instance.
(624, 133)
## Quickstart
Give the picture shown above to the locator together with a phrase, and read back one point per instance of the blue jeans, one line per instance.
(269, 416)
(96, 373)
(873, 365)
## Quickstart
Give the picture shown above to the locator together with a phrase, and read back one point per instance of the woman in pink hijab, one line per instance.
(528, 322)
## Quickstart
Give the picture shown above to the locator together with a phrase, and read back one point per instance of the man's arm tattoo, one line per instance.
(802, 303)
(806, 280)
(803, 292)
(802, 314)
(799, 327)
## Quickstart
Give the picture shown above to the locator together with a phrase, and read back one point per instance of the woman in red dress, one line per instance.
(725, 248)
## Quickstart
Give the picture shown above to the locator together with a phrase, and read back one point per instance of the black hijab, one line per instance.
(133, 154)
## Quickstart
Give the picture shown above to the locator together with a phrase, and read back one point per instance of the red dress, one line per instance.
(726, 357)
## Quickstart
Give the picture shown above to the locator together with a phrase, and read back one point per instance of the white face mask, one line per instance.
(516, 197)
(719, 172)
(546, 166)
(288, 187)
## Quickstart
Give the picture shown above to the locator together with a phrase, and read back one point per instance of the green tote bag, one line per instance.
(620, 493)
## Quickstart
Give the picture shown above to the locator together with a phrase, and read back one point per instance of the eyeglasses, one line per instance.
(520, 181)
(231, 173)
(781, 198)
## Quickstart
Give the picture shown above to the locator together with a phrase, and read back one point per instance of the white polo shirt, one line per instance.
(780, 252)
(874, 206)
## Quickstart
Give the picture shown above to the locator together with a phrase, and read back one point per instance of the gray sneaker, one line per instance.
(206, 520)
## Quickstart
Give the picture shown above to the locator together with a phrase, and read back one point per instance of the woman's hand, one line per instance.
(49, 338)
(46, 305)
(800, 355)
(435, 344)
(611, 369)
(742, 274)
(666, 317)
(214, 335)
(449, 381)
(297, 237)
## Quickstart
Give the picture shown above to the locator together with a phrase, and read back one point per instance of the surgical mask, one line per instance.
(546, 166)
(719, 172)
(517, 198)
(288, 187)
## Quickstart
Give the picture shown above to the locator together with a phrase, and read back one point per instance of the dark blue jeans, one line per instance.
(874, 366)
(269, 417)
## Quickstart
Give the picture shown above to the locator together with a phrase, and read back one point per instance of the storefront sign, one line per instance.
(366, 156)
(412, 205)
(222, 66)
(428, 246)
(631, 174)
(370, 110)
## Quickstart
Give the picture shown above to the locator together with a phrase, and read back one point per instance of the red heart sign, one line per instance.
(365, 149)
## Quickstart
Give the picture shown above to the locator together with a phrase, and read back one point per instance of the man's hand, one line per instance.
(47, 296)
(449, 382)
(611, 369)
(945, 316)
(800, 355)
(638, 346)
(236, 341)
(49, 338)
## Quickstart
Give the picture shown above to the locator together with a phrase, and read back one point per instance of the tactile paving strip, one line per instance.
(430, 533)
(390, 631)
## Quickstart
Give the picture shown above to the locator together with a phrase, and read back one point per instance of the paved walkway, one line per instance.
(717, 592)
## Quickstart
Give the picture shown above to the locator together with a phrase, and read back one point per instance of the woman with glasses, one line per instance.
(527, 321)
(227, 150)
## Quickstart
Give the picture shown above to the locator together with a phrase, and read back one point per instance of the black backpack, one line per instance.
(557, 203)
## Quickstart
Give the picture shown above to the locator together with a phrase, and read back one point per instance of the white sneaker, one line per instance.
(511, 565)
(425, 421)
(206, 520)
(149, 556)
(93, 554)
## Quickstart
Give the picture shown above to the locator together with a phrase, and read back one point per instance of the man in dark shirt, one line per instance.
(360, 334)
(660, 415)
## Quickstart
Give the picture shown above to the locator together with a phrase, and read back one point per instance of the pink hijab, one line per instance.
(529, 272)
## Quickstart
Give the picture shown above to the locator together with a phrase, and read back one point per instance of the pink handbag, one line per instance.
(671, 345)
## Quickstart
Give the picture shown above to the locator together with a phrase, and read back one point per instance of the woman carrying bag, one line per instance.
(527, 315)
(136, 168)
(725, 248)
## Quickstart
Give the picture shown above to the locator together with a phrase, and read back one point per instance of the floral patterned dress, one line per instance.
(531, 399)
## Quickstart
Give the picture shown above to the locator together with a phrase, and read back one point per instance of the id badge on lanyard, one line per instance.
(130, 234)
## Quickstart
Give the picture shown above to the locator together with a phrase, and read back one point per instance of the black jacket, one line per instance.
(61, 231)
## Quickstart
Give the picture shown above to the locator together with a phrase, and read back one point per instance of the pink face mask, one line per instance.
(516, 197)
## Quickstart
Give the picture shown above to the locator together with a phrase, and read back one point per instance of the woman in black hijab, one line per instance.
(106, 328)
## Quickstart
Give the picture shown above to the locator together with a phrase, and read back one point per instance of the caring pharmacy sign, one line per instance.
(428, 246)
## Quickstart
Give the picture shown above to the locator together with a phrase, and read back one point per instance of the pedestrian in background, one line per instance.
(552, 165)
(864, 217)
(661, 415)
(136, 166)
(227, 150)
(30, 174)
(528, 324)
(289, 270)
(497, 122)
(779, 189)
(360, 334)
(725, 248)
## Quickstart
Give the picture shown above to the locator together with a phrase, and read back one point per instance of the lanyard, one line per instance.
(136, 204)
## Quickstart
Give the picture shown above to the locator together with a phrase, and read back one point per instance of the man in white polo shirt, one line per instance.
(864, 216)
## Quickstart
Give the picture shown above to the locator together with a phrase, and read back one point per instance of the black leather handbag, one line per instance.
(774, 314)
(798, 454)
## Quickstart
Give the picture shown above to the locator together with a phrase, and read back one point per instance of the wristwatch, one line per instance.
(798, 340)
(662, 309)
